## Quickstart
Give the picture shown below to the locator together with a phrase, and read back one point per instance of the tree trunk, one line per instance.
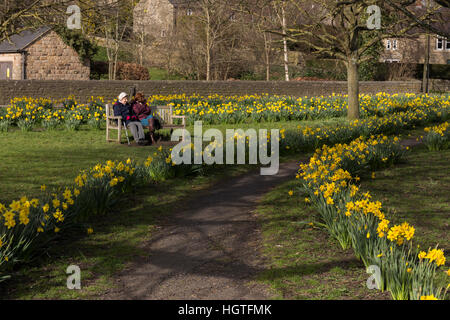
(141, 49)
(267, 57)
(426, 66)
(208, 47)
(110, 70)
(353, 88)
(285, 49)
(208, 65)
(116, 56)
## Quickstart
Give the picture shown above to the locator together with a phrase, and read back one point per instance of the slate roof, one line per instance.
(19, 42)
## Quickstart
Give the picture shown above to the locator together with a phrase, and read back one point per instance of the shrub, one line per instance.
(99, 70)
(131, 71)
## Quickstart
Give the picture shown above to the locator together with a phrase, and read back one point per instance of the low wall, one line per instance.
(83, 90)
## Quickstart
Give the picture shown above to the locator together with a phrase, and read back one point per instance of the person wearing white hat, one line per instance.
(123, 108)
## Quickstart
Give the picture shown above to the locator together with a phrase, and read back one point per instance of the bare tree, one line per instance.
(405, 7)
(336, 28)
(214, 20)
(17, 16)
(279, 7)
(117, 22)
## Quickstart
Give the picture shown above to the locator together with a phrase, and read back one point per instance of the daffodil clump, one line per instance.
(28, 113)
(159, 165)
(28, 225)
(101, 185)
(217, 109)
(357, 221)
(307, 138)
(437, 137)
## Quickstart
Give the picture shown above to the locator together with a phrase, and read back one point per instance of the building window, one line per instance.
(189, 12)
(447, 44)
(391, 44)
(439, 44)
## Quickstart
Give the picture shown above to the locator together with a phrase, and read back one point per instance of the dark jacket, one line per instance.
(141, 110)
(125, 111)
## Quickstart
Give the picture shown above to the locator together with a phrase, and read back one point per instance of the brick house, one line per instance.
(40, 54)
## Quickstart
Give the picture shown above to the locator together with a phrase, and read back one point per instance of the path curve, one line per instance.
(209, 250)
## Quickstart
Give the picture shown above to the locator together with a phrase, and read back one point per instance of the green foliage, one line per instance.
(100, 55)
(4, 125)
(368, 70)
(74, 38)
(161, 74)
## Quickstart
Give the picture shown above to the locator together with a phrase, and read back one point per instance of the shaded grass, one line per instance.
(55, 158)
(117, 240)
(313, 266)
(288, 125)
(30, 159)
(418, 192)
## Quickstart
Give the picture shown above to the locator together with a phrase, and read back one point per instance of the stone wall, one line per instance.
(50, 58)
(83, 90)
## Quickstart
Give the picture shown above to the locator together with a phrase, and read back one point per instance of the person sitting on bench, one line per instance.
(144, 113)
(123, 108)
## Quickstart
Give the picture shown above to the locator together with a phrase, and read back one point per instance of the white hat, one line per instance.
(122, 95)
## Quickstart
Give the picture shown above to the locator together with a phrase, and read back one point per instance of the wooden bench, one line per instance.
(163, 113)
(165, 116)
(114, 123)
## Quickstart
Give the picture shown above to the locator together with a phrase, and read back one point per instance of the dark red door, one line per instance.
(6, 70)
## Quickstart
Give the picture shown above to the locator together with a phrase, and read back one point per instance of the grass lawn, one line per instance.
(162, 74)
(418, 192)
(54, 158)
(116, 241)
(305, 263)
(30, 159)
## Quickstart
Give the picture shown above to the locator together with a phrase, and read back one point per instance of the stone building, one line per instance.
(40, 54)
(413, 47)
(413, 50)
(159, 17)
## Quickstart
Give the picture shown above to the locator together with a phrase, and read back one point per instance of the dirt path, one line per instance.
(209, 250)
